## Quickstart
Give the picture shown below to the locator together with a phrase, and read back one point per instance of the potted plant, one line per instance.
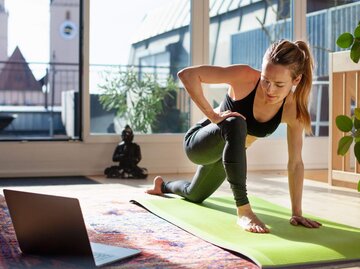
(137, 100)
(350, 125)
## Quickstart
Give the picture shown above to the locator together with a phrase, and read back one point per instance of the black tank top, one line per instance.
(245, 107)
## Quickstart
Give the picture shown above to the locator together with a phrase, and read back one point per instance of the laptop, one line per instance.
(53, 226)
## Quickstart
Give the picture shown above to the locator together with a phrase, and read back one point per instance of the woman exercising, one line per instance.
(256, 103)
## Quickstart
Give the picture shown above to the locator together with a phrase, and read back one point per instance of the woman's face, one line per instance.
(276, 82)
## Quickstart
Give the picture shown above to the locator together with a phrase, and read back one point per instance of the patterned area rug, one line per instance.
(117, 223)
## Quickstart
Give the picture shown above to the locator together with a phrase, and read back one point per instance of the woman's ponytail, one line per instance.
(303, 89)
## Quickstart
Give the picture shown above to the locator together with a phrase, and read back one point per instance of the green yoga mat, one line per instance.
(215, 221)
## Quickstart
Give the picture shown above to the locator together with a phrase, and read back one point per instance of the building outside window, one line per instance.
(39, 70)
(150, 38)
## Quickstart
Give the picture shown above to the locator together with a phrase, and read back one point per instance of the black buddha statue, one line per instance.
(128, 154)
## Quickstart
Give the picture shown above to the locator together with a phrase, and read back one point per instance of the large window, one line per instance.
(39, 69)
(136, 51)
(326, 20)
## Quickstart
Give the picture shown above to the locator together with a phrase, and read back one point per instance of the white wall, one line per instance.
(160, 154)
(271, 154)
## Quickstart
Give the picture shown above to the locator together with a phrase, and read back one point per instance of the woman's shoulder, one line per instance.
(244, 80)
(243, 75)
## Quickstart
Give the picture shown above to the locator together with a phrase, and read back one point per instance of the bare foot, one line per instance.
(156, 189)
(249, 221)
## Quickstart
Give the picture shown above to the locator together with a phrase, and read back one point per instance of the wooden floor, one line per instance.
(323, 176)
(338, 204)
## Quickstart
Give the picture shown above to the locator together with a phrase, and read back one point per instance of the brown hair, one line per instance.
(297, 58)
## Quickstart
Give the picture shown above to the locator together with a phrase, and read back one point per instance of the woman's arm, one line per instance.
(193, 77)
(296, 175)
(295, 167)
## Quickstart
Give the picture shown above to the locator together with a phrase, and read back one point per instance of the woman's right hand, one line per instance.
(218, 116)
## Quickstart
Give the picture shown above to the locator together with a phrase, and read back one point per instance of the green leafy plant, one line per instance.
(138, 100)
(348, 40)
(351, 126)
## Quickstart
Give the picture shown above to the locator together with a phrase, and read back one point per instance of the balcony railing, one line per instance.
(43, 96)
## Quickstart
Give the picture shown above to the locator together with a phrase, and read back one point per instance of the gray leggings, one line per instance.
(219, 150)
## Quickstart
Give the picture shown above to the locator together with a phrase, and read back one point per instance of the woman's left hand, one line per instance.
(299, 220)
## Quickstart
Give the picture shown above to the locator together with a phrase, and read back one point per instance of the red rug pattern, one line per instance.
(162, 244)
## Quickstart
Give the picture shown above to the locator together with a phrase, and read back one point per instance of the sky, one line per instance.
(112, 25)
(29, 30)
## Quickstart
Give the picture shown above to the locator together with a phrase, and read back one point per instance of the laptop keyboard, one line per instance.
(101, 256)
